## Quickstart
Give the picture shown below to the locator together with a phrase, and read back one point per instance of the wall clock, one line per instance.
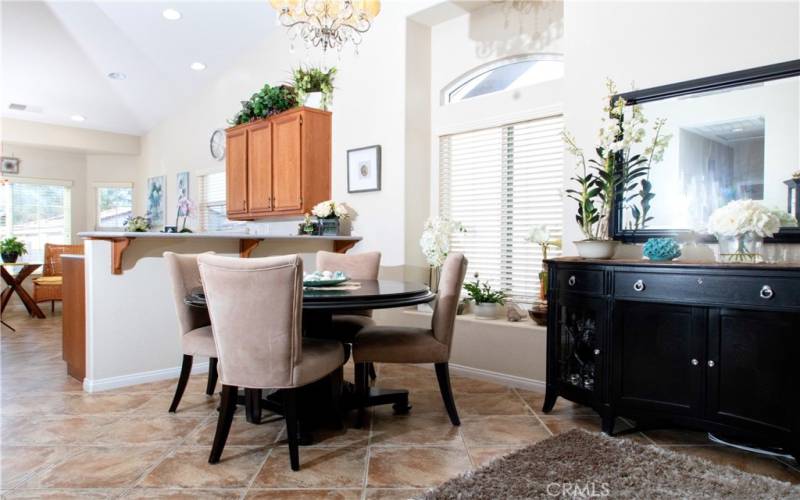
(217, 144)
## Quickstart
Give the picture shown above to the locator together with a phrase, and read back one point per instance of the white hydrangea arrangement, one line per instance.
(330, 209)
(435, 240)
(741, 217)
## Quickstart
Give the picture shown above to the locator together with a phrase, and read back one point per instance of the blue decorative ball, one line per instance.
(662, 249)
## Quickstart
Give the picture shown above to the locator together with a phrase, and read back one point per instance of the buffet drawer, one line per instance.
(580, 280)
(710, 289)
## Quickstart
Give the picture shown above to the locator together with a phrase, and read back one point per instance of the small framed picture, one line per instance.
(10, 165)
(364, 169)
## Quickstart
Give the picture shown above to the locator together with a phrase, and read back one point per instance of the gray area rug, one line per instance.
(580, 464)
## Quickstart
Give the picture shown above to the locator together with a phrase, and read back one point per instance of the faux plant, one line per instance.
(307, 80)
(482, 292)
(137, 224)
(266, 102)
(330, 210)
(185, 210)
(435, 239)
(308, 225)
(540, 235)
(616, 169)
(13, 246)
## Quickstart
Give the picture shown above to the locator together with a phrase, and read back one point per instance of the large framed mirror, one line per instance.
(734, 136)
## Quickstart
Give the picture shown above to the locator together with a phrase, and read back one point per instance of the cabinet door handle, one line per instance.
(597, 352)
(244, 204)
(695, 362)
(711, 363)
(766, 292)
(639, 285)
(571, 281)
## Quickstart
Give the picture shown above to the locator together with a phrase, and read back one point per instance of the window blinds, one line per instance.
(499, 182)
(212, 210)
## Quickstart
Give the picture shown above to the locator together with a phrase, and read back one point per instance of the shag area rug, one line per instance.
(580, 464)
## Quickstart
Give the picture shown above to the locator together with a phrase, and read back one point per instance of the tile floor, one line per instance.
(58, 442)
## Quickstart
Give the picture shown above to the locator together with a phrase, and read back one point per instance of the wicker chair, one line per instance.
(47, 288)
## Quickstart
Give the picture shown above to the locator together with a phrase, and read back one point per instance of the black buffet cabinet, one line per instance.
(708, 346)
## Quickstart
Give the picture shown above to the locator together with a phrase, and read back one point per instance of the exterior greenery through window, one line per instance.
(36, 212)
(499, 182)
(114, 205)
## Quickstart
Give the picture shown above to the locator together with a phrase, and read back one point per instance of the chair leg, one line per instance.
(362, 388)
(227, 409)
(252, 405)
(290, 413)
(212, 376)
(443, 376)
(372, 374)
(186, 370)
(52, 307)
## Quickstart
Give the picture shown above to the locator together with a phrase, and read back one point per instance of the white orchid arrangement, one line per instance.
(435, 240)
(330, 209)
(741, 217)
(540, 235)
(186, 209)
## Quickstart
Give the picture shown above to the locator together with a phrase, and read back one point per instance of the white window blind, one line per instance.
(499, 182)
(212, 210)
(114, 205)
(36, 212)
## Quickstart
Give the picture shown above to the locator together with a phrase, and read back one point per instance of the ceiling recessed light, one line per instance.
(197, 66)
(171, 14)
(115, 75)
(77, 118)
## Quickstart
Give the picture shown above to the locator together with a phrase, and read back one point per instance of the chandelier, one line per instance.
(327, 23)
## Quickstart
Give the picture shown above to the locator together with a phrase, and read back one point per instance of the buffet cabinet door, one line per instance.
(579, 333)
(752, 382)
(658, 356)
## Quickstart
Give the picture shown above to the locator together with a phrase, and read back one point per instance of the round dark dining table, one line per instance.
(326, 399)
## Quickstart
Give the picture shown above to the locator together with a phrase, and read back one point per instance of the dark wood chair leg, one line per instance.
(443, 376)
(290, 413)
(372, 374)
(550, 397)
(52, 307)
(186, 370)
(252, 405)
(227, 409)
(212, 376)
(362, 388)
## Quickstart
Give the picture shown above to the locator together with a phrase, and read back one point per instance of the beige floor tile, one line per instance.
(502, 403)
(415, 467)
(183, 494)
(482, 455)
(502, 430)
(423, 382)
(151, 387)
(63, 494)
(52, 430)
(469, 385)
(105, 403)
(242, 433)
(319, 468)
(192, 402)
(304, 494)
(148, 430)
(392, 493)
(419, 430)
(387, 370)
(422, 402)
(188, 467)
(591, 423)
(99, 468)
(535, 400)
(20, 462)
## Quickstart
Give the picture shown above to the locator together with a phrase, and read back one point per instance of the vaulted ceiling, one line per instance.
(56, 57)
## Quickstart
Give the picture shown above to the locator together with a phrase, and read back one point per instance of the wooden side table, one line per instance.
(14, 282)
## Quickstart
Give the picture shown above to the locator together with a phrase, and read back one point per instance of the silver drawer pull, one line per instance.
(639, 285)
(766, 292)
(597, 352)
(571, 281)
(695, 362)
(711, 363)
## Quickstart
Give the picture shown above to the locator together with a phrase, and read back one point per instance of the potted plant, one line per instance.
(487, 300)
(329, 216)
(307, 227)
(741, 226)
(137, 224)
(314, 86)
(185, 210)
(615, 174)
(435, 244)
(11, 248)
(266, 102)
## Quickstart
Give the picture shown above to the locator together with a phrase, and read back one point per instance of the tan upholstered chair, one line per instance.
(194, 325)
(362, 266)
(48, 287)
(256, 308)
(395, 344)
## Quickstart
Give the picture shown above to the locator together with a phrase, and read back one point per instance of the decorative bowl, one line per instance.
(324, 278)
(538, 314)
(662, 249)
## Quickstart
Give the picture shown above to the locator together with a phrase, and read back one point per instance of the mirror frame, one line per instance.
(726, 80)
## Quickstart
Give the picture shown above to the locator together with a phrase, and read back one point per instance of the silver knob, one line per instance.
(695, 362)
(571, 281)
(597, 352)
(639, 285)
(710, 363)
(699, 281)
(766, 292)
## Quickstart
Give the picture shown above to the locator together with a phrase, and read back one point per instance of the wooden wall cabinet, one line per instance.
(706, 346)
(278, 166)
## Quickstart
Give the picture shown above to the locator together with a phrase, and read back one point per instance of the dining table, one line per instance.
(323, 402)
(14, 281)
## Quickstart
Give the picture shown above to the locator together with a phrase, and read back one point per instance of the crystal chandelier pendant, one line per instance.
(327, 23)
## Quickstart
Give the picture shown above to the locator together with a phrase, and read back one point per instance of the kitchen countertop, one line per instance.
(216, 234)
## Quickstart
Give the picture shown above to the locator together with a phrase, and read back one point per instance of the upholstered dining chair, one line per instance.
(194, 325)
(256, 308)
(397, 344)
(49, 287)
(361, 266)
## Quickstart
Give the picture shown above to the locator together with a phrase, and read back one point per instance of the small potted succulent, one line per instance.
(11, 248)
(487, 300)
(329, 215)
(314, 86)
(307, 227)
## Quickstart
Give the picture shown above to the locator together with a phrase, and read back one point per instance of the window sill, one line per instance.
(526, 323)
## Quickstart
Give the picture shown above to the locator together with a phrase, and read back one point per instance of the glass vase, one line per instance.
(741, 249)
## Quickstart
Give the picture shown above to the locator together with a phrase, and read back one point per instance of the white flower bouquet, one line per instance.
(741, 226)
(330, 209)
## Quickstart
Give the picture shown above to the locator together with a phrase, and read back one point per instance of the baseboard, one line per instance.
(496, 377)
(105, 384)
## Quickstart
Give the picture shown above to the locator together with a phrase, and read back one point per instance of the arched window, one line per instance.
(504, 74)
